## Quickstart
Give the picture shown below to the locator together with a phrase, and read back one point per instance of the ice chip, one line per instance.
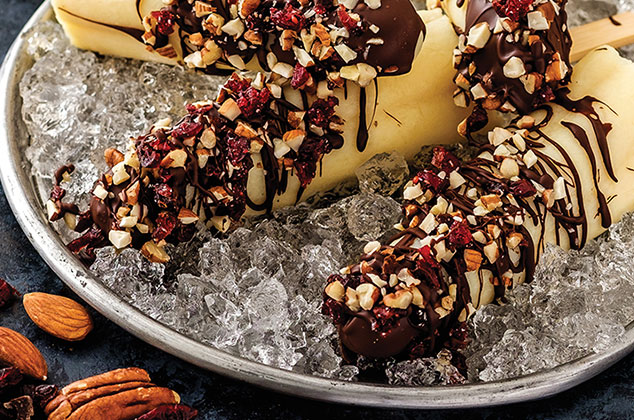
(371, 215)
(383, 174)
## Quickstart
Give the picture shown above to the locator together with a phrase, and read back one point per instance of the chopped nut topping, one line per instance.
(514, 68)
(335, 290)
(367, 294)
(473, 259)
(479, 35)
(400, 299)
(119, 238)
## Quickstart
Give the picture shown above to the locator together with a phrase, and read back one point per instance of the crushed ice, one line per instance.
(257, 293)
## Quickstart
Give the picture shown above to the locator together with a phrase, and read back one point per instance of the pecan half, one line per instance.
(122, 394)
(109, 378)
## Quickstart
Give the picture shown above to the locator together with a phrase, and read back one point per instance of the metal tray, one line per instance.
(20, 189)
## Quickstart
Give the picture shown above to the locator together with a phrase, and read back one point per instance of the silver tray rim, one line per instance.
(20, 190)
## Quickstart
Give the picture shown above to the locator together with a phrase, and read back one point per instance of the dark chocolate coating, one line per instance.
(400, 27)
(358, 336)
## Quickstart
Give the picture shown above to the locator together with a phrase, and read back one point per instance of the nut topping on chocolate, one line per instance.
(297, 39)
(512, 55)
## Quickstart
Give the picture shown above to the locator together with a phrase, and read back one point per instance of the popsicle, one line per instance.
(472, 230)
(326, 135)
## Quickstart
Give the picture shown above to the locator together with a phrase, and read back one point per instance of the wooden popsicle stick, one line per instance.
(616, 31)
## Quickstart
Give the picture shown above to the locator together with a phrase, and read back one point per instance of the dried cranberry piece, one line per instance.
(460, 235)
(165, 21)
(321, 111)
(9, 377)
(170, 412)
(513, 9)
(346, 20)
(252, 101)
(309, 154)
(151, 148)
(237, 84)
(305, 172)
(84, 245)
(160, 141)
(428, 267)
(165, 224)
(445, 160)
(164, 196)
(288, 18)
(43, 394)
(259, 22)
(322, 6)
(334, 310)
(197, 109)
(237, 149)
(427, 258)
(385, 317)
(187, 129)
(523, 188)
(432, 180)
(477, 119)
(300, 77)
(7, 293)
(148, 158)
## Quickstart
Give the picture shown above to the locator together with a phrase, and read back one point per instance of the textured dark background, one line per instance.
(609, 396)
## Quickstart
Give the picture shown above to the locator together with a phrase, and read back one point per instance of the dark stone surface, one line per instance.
(608, 396)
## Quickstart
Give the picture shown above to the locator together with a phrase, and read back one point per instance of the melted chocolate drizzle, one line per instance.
(395, 24)
(362, 131)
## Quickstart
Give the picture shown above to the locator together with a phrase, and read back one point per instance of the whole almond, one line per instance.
(59, 316)
(16, 350)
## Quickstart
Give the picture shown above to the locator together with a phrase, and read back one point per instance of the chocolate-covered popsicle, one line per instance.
(219, 35)
(471, 230)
